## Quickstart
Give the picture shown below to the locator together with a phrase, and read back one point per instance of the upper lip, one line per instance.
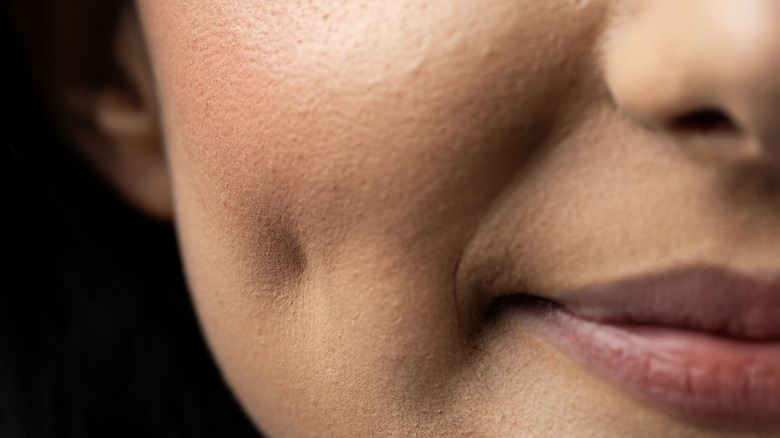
(702, 298)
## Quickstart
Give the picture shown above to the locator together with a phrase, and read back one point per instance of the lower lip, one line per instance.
(712, 378)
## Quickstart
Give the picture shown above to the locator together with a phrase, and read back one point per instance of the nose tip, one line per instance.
(704, 72)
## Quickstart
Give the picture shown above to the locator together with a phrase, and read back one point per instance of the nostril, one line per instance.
(704, 122)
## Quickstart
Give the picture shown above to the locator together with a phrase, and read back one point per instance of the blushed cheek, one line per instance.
(330, 110)
(329, 164)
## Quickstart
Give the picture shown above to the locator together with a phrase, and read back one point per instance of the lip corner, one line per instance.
(644, 334)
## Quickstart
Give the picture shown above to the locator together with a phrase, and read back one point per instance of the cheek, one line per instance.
(350, 119)
(329, 163)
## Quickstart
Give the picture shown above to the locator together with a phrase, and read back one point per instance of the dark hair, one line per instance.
(97, 333)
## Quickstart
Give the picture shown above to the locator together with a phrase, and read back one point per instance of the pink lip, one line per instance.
(701, 342)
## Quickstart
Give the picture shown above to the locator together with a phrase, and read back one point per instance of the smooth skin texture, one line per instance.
(347, 175)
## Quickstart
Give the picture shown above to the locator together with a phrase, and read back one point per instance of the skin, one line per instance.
(348, 176)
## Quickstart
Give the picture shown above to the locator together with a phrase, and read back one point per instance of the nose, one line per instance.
(704, 72)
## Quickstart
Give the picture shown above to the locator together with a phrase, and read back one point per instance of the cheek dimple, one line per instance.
(342, 155)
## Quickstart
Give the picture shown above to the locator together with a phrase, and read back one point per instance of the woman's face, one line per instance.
(358, 183)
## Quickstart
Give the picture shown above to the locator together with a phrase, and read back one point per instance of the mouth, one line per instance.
(701, 342)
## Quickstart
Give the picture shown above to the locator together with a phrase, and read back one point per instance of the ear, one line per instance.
(105, 102)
